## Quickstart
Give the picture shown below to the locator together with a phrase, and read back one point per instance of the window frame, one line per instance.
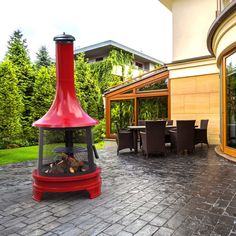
(228, 150)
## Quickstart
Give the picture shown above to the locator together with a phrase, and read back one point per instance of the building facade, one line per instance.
(221, 42)
(202, 73)
(142, 63)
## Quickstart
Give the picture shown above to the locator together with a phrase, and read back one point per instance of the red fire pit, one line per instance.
(66, 150)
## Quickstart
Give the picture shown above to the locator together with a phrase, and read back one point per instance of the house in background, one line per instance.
(97, 52)
(202, 75)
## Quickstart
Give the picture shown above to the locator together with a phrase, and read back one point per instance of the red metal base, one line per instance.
(90, 182)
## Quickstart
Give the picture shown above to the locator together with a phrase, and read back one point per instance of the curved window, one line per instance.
(230, 101)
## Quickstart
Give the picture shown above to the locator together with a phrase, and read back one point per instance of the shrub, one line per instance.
(99, 132)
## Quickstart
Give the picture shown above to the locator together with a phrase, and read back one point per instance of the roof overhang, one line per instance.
(167, 3)
(104, 47)
(161, 73)
(225, 14)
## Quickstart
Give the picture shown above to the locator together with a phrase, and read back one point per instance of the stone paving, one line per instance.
(160, 196)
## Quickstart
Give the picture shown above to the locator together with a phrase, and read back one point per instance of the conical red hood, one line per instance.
(65, 110)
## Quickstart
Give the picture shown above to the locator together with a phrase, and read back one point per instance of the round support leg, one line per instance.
(94, 192)
(37, 195)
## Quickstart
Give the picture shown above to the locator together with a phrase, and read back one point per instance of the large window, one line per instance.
(122, 113)
(143, 98)
(230, 100)
(154, 108)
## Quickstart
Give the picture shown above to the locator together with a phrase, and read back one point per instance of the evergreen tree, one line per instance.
(18, 54)
(43, 58)
(10, 104)
(43, 94)
(17, 49)
(87, 88)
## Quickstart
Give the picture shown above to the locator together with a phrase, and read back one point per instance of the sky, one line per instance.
(143, 25)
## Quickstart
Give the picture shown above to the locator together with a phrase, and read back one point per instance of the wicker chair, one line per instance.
(169, 122)
(167, 134)
(183, 137)
(201, 133)
(153, 140)
(140, 122)
(124, 139)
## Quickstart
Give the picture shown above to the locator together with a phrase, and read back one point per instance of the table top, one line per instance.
(137, 127)
(144, 127)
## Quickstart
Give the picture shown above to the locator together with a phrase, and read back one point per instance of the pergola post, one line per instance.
(135, 111)
(108, 117)
(169, 100)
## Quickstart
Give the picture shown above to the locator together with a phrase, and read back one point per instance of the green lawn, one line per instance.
(10, 156)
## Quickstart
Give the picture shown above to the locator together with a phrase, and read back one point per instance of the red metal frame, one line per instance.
(66, 110)
(90, 182)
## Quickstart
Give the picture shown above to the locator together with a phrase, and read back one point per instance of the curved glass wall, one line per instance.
(230, 100)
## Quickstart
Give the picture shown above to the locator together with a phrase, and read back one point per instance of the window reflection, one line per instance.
(122, 112)
(231, 100)
(154, 108)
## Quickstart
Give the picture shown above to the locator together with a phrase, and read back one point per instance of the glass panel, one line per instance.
(122, 112)
(163, 84)
(231, 100)
(64, 152)
(153, 108)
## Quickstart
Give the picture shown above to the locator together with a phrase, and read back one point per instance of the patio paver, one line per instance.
(186, 195)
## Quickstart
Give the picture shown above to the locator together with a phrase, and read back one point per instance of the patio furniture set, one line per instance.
(156, 137)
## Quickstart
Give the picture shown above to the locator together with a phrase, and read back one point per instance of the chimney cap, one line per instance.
(64, 38)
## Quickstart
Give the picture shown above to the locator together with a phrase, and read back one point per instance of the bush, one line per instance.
(99, 132)
(7, 143)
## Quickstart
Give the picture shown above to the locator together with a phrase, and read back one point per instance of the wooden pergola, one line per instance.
(131, 90)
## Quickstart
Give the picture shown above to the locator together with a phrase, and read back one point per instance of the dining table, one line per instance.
(137, 128)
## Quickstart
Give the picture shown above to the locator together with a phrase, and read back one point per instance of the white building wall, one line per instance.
(191, 22)
(151, 67)
(117, 70)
